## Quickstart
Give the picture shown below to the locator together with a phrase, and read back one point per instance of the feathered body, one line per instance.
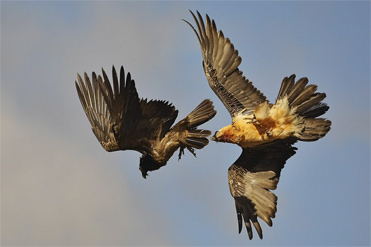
(267, 123)
(264, 131)
(122, 121)
(288, 117)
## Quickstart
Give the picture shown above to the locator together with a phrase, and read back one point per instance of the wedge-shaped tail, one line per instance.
(195, 138)
(201, 114)
(307, 103)
(266, 132)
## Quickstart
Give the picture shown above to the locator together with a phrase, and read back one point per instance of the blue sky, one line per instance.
(59, 187)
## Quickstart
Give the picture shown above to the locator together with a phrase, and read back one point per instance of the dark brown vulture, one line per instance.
(122, 121)
(266, 132)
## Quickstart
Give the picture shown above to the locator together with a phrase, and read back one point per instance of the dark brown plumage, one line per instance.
(266, 132)
(122, 121)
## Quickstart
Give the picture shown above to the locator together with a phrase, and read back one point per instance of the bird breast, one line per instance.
(266, 124)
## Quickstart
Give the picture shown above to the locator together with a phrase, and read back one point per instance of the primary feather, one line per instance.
(122, 121)
(265, 131)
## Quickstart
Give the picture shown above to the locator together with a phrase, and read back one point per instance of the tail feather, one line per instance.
(286, 85)
(197, 143)
(305, 102)
(313, 101)
(201, 114)
(303, 95)
(314, 129)
(316, 111)
(197, 138)
(297, 89)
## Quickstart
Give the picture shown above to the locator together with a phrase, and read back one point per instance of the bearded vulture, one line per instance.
(264, 131)
(122, 121)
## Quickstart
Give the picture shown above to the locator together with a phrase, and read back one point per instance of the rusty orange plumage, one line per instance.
(266, 124)
(265, 131)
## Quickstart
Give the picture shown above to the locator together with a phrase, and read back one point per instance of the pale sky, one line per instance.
(60, 188)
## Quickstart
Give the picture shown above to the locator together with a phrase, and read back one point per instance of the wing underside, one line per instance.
(251, 178)
(95, 108)
(119, 119)
(220, 63)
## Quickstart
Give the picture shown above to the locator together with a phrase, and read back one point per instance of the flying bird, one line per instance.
(122, 121)
(266, 132)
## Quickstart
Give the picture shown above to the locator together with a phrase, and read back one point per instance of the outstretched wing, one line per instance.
(251, 178)
(140, 121)
(131, 122)
(95, 108)
(220, 63)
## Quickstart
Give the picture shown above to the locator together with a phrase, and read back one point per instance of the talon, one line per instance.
(190, 149)
(252, 120)
(268, 132)
(181, 152)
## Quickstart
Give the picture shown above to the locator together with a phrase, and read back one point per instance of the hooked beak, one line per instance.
(214, 138)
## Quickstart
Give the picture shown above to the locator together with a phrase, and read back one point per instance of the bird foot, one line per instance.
(252, 120)
(192, 150)
(181, 151)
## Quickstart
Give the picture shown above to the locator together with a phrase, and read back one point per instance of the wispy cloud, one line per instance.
(59, 187)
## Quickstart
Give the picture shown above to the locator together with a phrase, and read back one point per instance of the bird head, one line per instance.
(148, 163)
(216, 136)
(225, 134)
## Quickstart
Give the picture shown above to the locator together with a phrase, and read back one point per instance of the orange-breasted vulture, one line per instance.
(122, 121)
(264, 131)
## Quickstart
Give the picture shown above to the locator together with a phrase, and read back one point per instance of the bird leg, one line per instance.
(252, 120)
(268, 132)
(190, 149)
(181, 152)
